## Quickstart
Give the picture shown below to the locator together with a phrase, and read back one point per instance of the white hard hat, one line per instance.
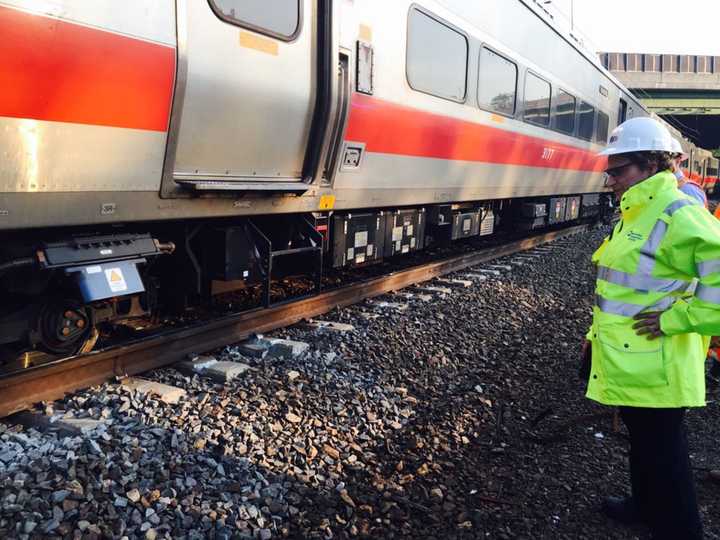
(639, 135)
(677, 148)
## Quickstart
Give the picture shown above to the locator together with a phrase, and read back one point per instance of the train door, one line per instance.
(695, 172)
(689, 161)
(713, 175)
(685, 165)
(246, 97)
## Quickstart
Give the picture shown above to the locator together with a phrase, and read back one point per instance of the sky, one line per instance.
(646, 26)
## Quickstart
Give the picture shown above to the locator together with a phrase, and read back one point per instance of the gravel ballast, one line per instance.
(448, 412)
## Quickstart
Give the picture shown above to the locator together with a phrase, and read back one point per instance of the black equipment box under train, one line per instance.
(404, 231)
(591, 205)
(572, 208)
(358, 238)
(558, 206)
(466, 225)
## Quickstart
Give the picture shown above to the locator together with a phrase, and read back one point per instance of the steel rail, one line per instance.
(20, 390)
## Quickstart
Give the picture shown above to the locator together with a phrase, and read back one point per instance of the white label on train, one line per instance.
(116, 280)
(361, 239)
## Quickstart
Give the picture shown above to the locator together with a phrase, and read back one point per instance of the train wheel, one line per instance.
(64, 327)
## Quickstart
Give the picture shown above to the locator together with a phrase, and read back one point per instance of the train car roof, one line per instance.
(589, 55)
(548, 19)
(594, 59)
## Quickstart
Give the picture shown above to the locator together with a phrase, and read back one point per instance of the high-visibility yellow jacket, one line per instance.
(664, 240)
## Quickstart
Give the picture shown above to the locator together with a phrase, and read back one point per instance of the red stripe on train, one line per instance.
(61, 71)
(389, 128)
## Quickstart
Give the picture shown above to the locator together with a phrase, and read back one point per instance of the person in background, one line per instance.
(686, 185)
(648, 336)
(695, 190)
(714, 357)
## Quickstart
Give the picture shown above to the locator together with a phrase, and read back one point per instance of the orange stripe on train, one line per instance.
(60, 71)
(395, 129)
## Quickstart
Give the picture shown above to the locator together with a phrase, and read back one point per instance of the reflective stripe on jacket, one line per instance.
(664, 240)
(694, 190)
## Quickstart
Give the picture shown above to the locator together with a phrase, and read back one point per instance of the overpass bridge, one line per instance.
(683, 89)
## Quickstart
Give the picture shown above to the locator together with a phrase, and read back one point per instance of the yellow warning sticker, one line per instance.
(365, 33)
(264, 45)
(116, 280)
(327, 202)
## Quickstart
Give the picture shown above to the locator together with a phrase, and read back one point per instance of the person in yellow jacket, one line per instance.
(647, 338)
(714, 353)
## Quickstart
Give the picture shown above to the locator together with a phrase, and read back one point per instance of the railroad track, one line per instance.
(20, 389)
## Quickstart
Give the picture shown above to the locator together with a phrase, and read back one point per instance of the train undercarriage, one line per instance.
(62, 288)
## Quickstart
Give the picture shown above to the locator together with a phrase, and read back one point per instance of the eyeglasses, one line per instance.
(617, 171)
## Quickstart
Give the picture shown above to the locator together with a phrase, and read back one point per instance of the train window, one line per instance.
(537, 100)
(622, 111)
(603, 125)
(586, 121)
(497, 84)
(564, 112)
(277, 18)
(437, 57)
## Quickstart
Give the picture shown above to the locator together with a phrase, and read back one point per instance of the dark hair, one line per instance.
(646, 160)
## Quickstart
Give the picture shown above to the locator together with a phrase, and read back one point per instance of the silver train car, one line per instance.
(700, 166)
(703, 169)
(155, 154)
